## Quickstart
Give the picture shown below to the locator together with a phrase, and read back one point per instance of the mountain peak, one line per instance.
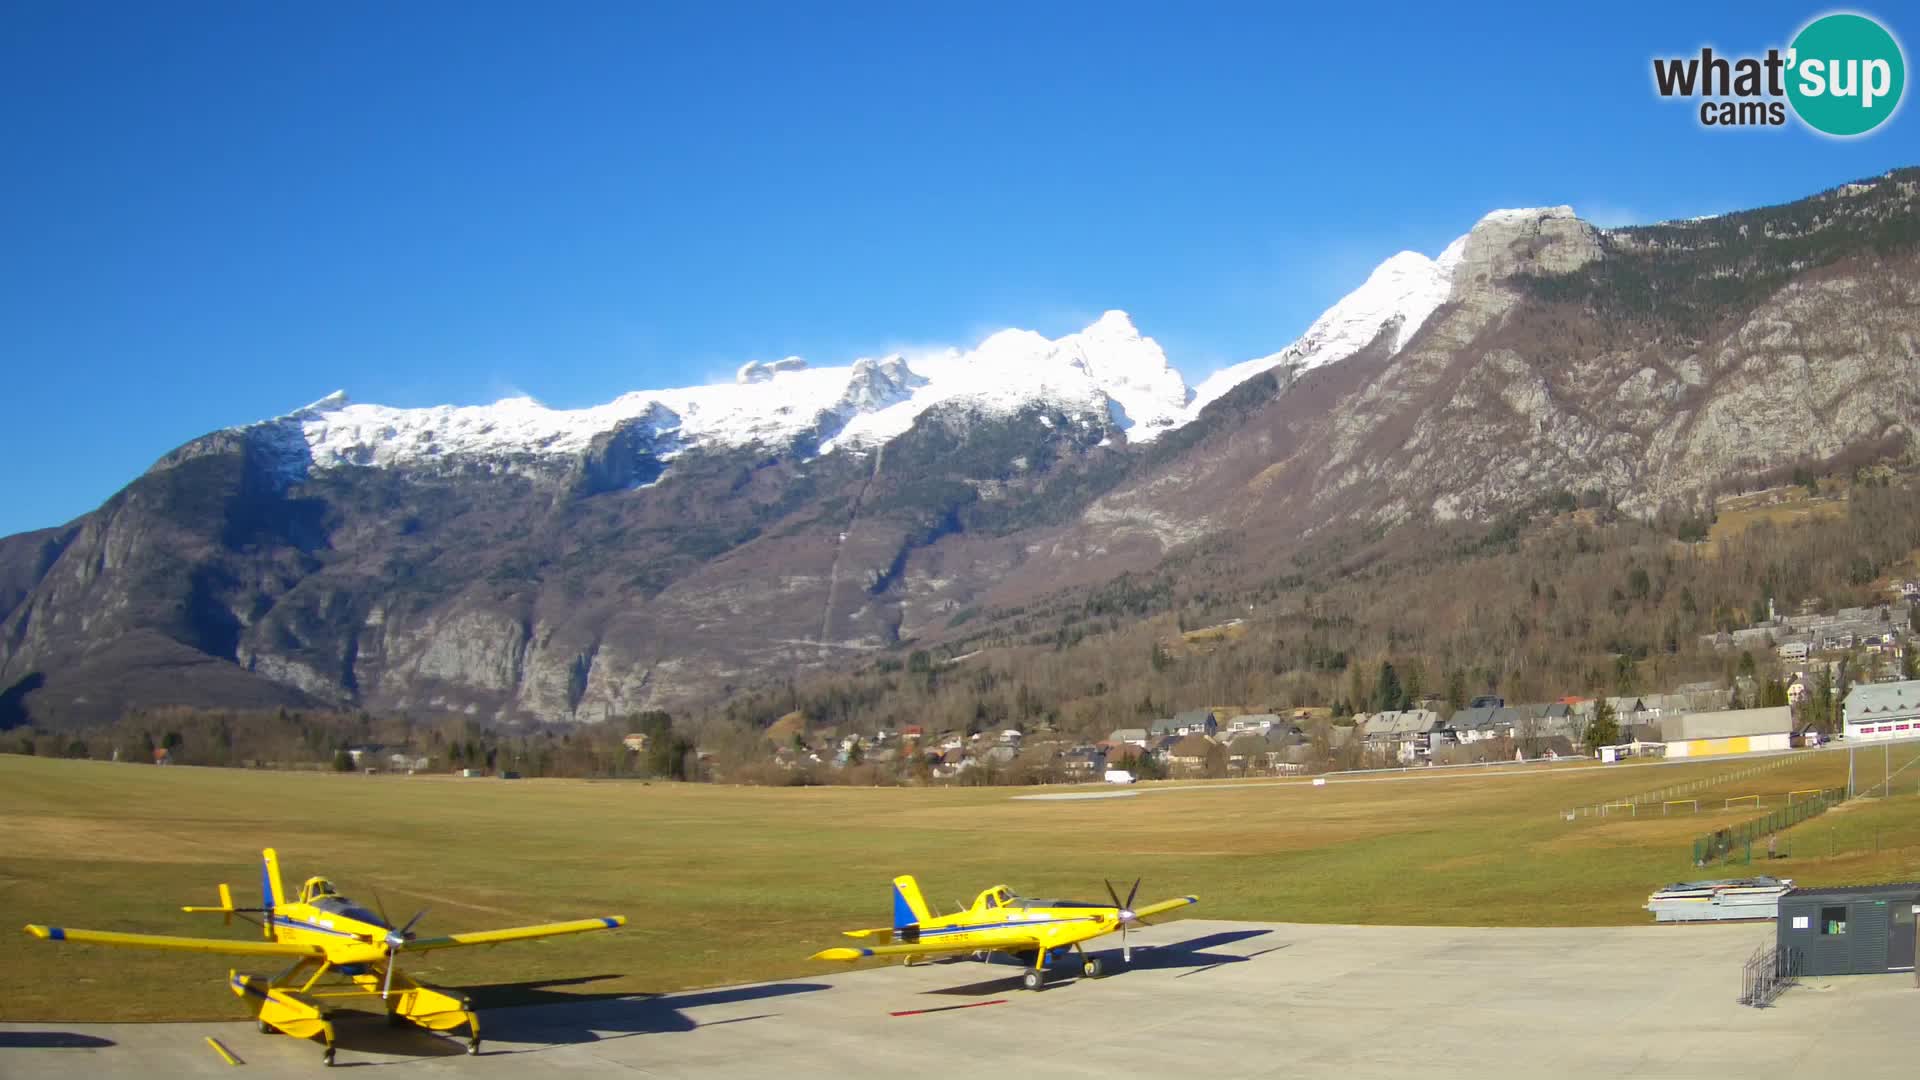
(1524, 214)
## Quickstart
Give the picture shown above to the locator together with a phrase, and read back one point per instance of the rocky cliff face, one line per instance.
(1650, 363)
(514, 562)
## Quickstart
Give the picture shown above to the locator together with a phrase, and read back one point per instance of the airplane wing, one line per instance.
(517, 933)
(1163, 907)
(184, 944)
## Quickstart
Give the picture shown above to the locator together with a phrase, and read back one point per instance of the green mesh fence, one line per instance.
(1722, 845)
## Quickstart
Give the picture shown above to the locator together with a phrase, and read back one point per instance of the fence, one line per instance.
(1767, 974)
(1631, 803)
(1722, 844)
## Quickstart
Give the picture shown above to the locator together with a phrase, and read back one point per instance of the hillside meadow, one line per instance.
(730, 884)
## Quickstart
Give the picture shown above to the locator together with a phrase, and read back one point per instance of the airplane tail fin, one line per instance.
(273, 893)
(909, 907)
(226, 908)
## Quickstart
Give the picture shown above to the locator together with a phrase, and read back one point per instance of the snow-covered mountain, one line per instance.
(1404, 290)
(1108, 373)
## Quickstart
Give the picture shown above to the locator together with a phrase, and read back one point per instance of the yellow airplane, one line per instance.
(1037, 932)
(324, 933)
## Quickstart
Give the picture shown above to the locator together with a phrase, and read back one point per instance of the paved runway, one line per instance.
(1204, 998)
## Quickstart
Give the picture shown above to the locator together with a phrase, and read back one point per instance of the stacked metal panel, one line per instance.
(1712, 901)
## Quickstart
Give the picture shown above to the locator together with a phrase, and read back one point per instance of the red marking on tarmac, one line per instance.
(948, 1008)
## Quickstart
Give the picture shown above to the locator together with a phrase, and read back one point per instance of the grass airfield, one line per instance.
(724, 885)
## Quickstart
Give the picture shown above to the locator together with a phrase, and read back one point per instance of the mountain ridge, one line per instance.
(522, 563)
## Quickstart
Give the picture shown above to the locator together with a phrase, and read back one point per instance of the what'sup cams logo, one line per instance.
(1842, 76)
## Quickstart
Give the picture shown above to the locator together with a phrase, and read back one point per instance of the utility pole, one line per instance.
(1850, 749)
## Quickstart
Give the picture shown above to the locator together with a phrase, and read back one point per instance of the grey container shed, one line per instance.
(1849, 930)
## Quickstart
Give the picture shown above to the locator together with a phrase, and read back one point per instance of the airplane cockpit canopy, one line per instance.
(320, 893)
(996, 897)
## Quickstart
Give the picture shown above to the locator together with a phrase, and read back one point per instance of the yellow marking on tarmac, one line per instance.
(221, 1049)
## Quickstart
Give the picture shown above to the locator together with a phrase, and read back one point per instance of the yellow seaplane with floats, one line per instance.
(324, 934)
(1036, 932)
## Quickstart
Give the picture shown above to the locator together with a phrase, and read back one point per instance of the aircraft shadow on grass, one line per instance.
(51, 1040)
(1190, 955)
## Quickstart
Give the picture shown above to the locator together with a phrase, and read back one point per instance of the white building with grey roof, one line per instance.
(1878, 711)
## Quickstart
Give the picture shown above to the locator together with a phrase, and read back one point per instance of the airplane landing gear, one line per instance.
(473, 1046)
(1092, 969)
(1034, 979)
(327, 1058)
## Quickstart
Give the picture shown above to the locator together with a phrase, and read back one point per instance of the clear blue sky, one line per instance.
(211, 213)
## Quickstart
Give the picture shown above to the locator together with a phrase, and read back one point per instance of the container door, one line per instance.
(1900, 936)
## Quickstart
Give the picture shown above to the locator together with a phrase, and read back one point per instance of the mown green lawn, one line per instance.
(728, 884)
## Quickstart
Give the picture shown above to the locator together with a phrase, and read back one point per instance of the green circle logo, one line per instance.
(1846, 74)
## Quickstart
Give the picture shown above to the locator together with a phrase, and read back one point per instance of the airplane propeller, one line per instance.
(395, 940)
(1123, 914)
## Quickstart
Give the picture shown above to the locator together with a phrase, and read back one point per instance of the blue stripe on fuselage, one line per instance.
(301, 924)
(929, 931)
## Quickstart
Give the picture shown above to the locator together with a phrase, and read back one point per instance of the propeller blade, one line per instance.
(1131, 893)
(1111, 895)
(397, 940)
(381, 907)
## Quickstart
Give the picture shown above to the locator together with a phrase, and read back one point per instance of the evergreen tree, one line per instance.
(1818, 711)
(1604, 728)
(1387, 693)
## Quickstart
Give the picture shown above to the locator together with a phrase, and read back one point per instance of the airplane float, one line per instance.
(324, 933)
(1036, 932)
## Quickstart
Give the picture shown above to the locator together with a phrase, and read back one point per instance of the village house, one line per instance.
(1407, 734)
(1191, 752)
(1247, 752)
(1083, 761)
(1260, 722)
(1132, 735)
(637, 741)
(1480, 723)
(1196, 722)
